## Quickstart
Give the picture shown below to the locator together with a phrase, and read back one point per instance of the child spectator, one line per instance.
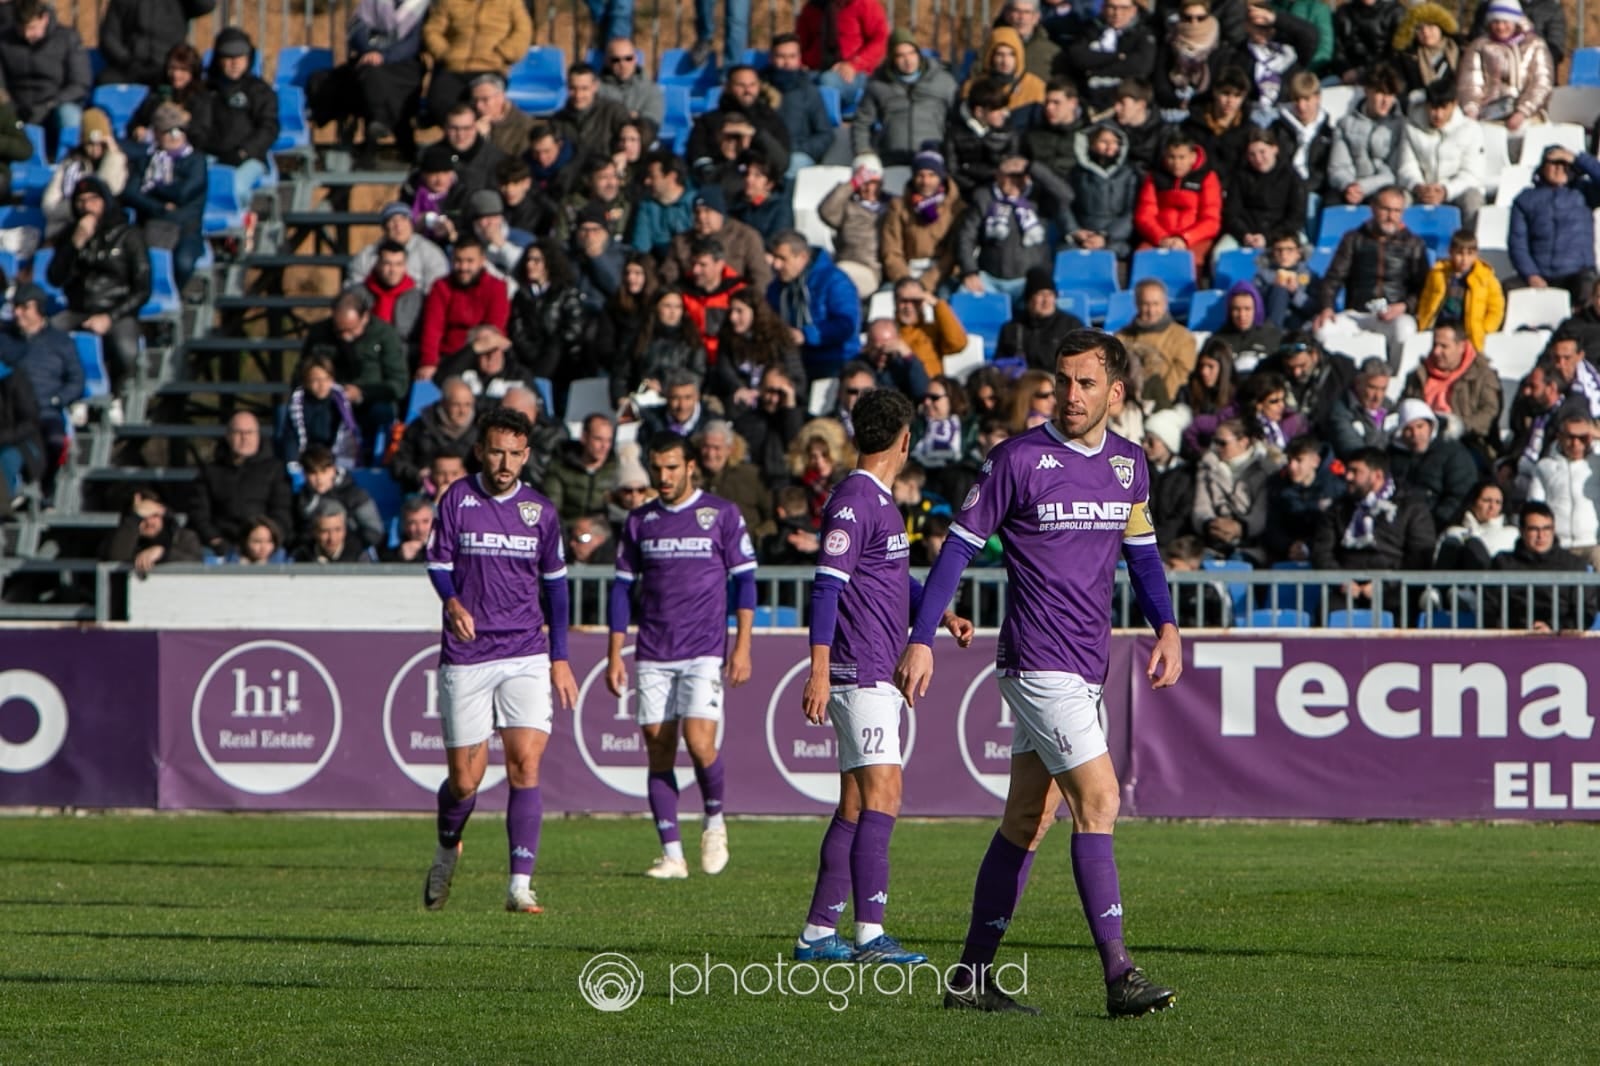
(1463, 288)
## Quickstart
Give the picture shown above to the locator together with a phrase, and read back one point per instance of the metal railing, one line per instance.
(1331, 601)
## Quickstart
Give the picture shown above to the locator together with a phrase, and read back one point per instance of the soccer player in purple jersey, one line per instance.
(495, 547)
(678, 551)
(1066, 498)
(861, 605)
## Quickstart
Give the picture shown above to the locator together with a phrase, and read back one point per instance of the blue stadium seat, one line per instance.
(538, 83)
(294, 132)
(675, 124)
(832, 105)
(297, 64)
(1434, 225)
(120, 102)
(1320, 258)
(382, 487)
(676, 69)
(97, 64)
(547, 395)
(224, 212)
(14, 216)
(1585, 67)
(756, 57)
(1266, 617)
(1360, 620)
(255, 63)
(1445, 620)
(1092, 274)
(30, 178)
(982, 314)
(1119, 310)
(1238, 591)
(1208, 310)
(423, 393)
(1339, 220)
(1073, 303)
(1234, 266)
(164, 301)
(782, 617)
(91, 356)
(1172, 266)
(41, 266)
(1294, 596)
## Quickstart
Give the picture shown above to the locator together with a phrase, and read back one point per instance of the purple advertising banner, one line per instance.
(1369, 728)
(267, 721)
(77, 722)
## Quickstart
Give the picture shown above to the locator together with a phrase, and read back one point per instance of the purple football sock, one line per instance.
(711, 781)
(1001, 879)
(453, 815)
(664, 805)
(869, 865)
(828, 899)
(1094, 868)
(524, 813)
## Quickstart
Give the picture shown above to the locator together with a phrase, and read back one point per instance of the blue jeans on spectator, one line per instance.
(1011, 287)
(849, 91)
(11, 464)
(737, 38)
(64, 117)
(246, 176)
(612, 18)
(798, 161)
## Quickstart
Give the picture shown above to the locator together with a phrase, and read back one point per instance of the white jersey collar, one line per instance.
(1077, 446)
(688, 502)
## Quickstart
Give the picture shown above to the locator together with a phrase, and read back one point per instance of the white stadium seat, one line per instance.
(1578, 104)
(1535, 138)
(1359, 345)
(811, 185)
(1512, 355)
(1337, 100)
(1513, 180)
(1496, 155)
(1536, 309)
(1494, 228)
(1412, 353)
(824, 392)
(881, 305)
(961, 365)
(589, 396)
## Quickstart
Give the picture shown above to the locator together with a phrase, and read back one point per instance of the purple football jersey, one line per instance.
(864, 544)
(497, 550)
(680, 557)
(1063, 513)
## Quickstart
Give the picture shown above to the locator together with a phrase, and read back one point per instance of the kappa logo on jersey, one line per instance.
(1063, 744)
(706, 516)
(665, 823)
(988, 466)
(883, 501)
(879, 897)
(838, 542)
(530, 513)
(1113, 911)
(838, 907)
(1001, 924)
(468, 501)
(846, 514)
(1048, 462)
(653, 516)
(972, 498)
(520, 852)
(1122, 466)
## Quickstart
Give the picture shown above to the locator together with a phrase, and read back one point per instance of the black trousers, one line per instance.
(388, 93)
(446, 89)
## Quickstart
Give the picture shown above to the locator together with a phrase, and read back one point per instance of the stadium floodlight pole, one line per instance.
(1067, 498)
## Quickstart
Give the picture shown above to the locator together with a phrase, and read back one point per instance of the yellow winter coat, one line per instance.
(468, 35)
(1483, 310)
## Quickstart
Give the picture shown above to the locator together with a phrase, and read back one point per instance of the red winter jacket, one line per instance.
(863, 33)
(1191, 208)
(707, 310)
(452, 311)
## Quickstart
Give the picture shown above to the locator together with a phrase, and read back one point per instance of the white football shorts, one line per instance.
(1057, 717)
(479, 698)
(867, 721)
(685, 688)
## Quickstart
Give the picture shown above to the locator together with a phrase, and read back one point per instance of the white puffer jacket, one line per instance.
(1572, 489)
(1452, 157)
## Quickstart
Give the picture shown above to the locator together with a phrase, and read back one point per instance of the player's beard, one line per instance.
(1086, 426)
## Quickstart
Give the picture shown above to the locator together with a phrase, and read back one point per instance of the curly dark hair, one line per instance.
(506, 420)
(556, 263)
(767, 340)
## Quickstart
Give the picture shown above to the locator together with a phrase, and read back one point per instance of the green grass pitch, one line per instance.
(233, 939)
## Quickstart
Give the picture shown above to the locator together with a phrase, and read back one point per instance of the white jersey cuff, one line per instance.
(968, 535)
(828, 571)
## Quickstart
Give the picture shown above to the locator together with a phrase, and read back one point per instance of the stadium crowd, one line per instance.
(527, 255)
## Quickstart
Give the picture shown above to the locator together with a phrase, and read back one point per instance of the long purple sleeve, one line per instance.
(744, 590)
(444, 583)
(558, 608)
(1149, 580)
(620, 610)
(825, 590)
(943, 580)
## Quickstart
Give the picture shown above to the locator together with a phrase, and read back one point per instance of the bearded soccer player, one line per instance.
(495, 547)
(679, 550)
(1065, 497)
(861, 604)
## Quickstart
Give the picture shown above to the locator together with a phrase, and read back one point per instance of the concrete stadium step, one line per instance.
(170, 431)
(165, 475)
(225, 388)
(218, 343)
(284, 262)
(303, 220)
(273, 303)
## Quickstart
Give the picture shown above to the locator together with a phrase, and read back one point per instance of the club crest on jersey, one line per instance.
(838, 542)
(972, 498)
(530, 513)
(1122, 466)
(706, 516)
